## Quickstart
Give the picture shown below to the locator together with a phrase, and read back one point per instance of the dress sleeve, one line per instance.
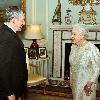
(95, 63)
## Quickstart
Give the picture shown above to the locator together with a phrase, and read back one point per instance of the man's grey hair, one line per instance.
(12, 12)
(82, 29)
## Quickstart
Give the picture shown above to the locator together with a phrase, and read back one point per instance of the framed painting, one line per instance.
(42, 52)
(32, 53)
(6, 3)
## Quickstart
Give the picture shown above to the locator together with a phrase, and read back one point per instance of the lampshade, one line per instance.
(33, 32)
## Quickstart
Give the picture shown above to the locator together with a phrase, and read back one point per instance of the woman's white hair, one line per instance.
(82, 29)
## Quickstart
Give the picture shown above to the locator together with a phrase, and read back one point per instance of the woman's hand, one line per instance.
(87, 88)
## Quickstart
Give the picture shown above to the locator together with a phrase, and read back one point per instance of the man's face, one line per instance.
(19, 23)
(76, 38)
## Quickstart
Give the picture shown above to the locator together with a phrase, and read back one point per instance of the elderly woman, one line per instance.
(84, 65)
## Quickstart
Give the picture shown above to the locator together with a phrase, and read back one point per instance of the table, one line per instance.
(39, 66)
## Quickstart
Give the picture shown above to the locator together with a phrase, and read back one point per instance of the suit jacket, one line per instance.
(13, 68)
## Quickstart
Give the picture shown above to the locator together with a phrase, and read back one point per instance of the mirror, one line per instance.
(6, 3)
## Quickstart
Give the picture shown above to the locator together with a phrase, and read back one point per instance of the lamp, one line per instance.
(33, 32)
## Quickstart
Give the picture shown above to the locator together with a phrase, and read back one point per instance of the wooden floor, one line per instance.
(53, 93)
(35, 96)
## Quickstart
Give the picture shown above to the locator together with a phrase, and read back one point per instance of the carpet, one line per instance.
(52, 90)
(55, 91)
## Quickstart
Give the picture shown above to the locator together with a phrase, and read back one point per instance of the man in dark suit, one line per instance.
(13, 68)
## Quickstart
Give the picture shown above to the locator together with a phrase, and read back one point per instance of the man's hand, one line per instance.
(12, 97)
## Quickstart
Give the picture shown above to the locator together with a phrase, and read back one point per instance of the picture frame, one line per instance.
(8, 3)
(32, 53)
(42, 52)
